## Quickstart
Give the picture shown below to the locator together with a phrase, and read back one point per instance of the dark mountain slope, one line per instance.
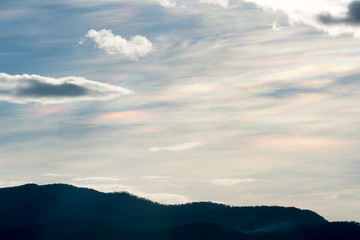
(66, 212)
(32, 204)
(329, 231)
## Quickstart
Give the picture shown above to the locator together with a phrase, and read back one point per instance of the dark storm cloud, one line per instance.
(352, 17)
(40, 89)
(45, 90)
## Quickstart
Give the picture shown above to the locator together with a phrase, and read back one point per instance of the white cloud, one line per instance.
(164, 198)
(221, 3)
(53, 175)
(137, 46)
(107, 188)
(231, 181)
(331, 197)
(13, 183)
(27, 88)
(275, 26)
(56, 174)
(155, 177)
(99, 179)
(166, 3)
(178, 147)
(309, 12)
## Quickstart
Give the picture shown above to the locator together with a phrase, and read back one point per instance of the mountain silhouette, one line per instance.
(60, 211)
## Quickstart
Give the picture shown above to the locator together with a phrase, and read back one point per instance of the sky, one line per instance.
(243, 102)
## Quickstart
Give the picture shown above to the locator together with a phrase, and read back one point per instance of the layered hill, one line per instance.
(62, 211)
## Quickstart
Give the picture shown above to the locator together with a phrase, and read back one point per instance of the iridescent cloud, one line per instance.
(123, 115)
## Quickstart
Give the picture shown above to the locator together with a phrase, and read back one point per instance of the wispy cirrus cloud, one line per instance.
(231, 181)
(221, 3)
(123, 115)
(178, 147)
(137, 46)
(98, 179)
(56, 174)
(46, 110)
(27, 88)
(155, 177)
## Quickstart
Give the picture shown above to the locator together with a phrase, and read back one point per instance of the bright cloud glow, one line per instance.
(166, 3)
(56, 174)
(134, 48)
(166, 198)
(275, 26)
(178, 147)
(163, 197)
(46, 90)
(309, 12)
(221, 3)
(231, 181)
(105, 187)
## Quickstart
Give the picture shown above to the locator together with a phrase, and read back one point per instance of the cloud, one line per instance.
(178, 147)
(46, 111)
(275, 26)
(331, 197)
(155, 177)
(164, 198)
(123, 115)
(166, 3)
(27, 88)
(231, 181)
(134, 48)
(221, 3)
(99, 179)
(298, 144)
(56, 174)
(333, 17)
(290, 92)
(352, 17)
(105, 187)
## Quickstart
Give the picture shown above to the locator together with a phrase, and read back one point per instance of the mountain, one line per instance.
(62, 211)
